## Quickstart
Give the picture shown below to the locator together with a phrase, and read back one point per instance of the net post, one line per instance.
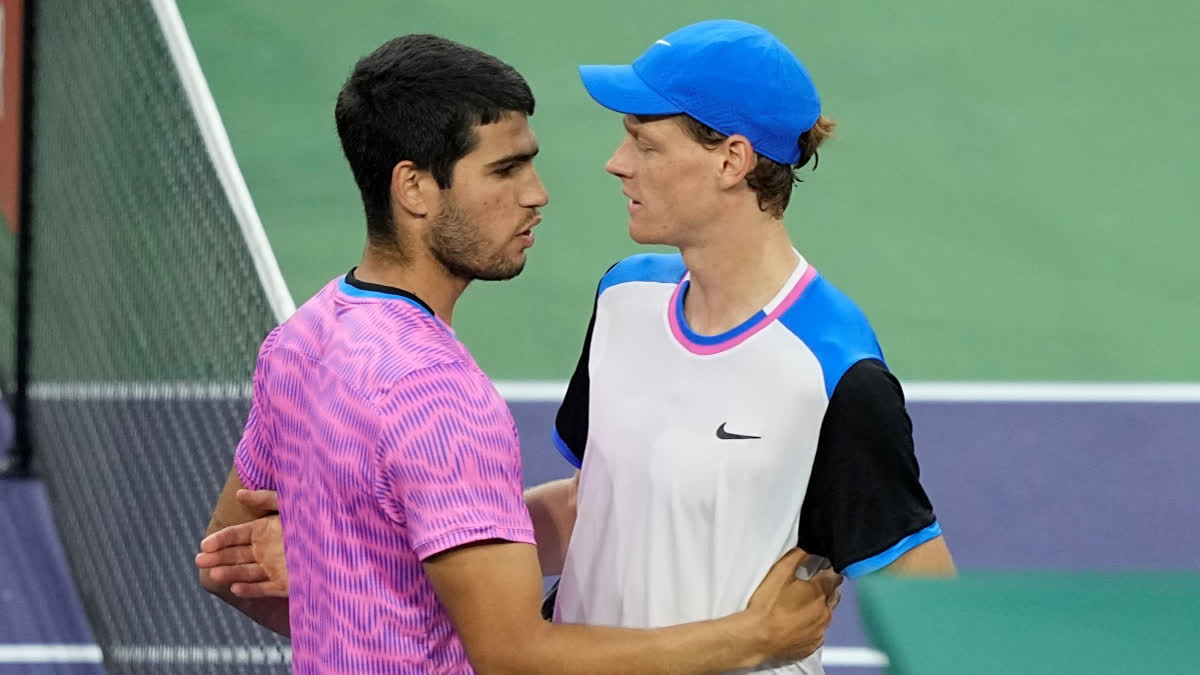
(21, 455)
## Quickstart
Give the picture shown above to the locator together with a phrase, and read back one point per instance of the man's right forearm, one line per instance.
(492, 593)
(720, 645)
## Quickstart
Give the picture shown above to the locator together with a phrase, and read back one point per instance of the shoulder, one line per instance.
(834, 328)
(662, 268)
(370, 346)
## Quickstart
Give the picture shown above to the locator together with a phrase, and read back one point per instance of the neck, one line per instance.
(423, 276)
(734, 275)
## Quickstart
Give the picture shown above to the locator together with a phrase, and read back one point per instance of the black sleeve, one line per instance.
(864, 495)
(571, 422)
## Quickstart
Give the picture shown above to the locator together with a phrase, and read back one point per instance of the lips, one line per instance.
(526, 235)
(532, 224)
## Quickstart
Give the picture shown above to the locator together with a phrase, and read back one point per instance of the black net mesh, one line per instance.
(147, 316)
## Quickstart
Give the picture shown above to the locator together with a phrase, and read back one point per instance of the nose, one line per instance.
(618, 164)
(535, 195)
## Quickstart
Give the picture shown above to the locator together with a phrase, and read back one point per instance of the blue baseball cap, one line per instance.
(733, 76)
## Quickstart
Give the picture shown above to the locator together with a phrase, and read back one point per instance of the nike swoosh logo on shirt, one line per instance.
(725, 435)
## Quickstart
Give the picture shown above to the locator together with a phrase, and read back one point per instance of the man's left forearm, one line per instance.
(271, 613)
(552, 509)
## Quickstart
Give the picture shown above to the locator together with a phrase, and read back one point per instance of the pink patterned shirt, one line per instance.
(387, 444)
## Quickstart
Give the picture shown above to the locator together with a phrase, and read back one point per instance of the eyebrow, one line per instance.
(515, 158)
(630, 127)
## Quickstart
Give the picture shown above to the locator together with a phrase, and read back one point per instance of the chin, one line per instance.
(510, 270)
(645, 235)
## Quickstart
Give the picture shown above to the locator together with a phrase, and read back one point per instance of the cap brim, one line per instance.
(619, 88)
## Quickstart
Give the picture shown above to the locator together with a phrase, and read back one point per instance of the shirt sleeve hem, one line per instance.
(565, 450)
(251, 479)
(882, 560)
(446, 542)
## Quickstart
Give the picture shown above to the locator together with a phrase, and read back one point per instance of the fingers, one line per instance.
(234, 535)
(835, 599)
(777, 579)
(230, 574)
(262, 500)
(828, 581)
(781, 573)
(789, 563)
(235, 555)
(264, 589)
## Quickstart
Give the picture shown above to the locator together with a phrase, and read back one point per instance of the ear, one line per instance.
(414, 190)
(738, 160)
